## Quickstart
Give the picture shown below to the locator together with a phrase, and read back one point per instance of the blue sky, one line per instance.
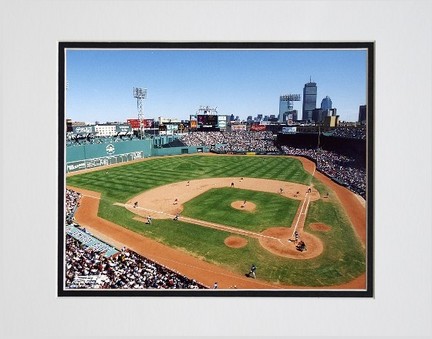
(178, 82)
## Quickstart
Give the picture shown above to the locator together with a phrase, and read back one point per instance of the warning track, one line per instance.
(193, 267)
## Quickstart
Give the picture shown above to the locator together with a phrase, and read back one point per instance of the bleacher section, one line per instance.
(233, 142)
(92, 263)
(90, 242)
(87, 268)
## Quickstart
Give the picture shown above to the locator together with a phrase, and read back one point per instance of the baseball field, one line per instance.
(233, 211)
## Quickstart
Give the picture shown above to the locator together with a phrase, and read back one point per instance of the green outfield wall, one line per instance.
(179, 150)
(94, 155)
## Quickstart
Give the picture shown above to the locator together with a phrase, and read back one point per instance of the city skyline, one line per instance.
(240, 82)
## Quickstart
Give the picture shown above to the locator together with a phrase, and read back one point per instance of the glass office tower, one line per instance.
(362, 114)
(309, 100)
(326, 103)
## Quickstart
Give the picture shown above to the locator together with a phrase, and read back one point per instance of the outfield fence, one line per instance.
(86, 156)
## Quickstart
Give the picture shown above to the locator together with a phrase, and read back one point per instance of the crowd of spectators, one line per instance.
(350, 132)
(342, 169)
(72, 202)
(125, 270)
(237, 141)
(89, 268)
(203, 138)
(91, 139)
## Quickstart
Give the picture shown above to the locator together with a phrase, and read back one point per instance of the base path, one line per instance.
(179, 261)
(167, 200)
(195, 268)
(354, 205)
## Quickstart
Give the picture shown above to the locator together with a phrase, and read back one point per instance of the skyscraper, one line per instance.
(326, 103)
(362, 114)
(309, 99)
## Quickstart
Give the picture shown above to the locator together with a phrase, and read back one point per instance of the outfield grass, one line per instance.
(343, 257)
(121, 183)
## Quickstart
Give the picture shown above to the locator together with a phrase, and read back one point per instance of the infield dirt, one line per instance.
(204, 272)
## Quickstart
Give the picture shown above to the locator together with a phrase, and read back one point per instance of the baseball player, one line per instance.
(252, 272)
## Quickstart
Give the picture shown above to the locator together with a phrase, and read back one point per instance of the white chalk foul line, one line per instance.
(156, 257)
(142, 208)
(307, 198)
(301, 213)
(205, 223)
(228, 228)
(307, 206)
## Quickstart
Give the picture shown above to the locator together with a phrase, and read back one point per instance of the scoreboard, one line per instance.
(207, 121)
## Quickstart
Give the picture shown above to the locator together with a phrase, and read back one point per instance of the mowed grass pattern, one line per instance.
(121, 183)
(342, 260)
(215, 206)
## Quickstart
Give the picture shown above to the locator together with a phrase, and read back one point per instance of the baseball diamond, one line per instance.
(213, 215)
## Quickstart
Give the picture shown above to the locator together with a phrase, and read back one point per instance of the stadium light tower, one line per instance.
(140, 94)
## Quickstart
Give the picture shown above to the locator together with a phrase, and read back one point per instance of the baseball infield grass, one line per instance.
(343, 257)
(215, 206)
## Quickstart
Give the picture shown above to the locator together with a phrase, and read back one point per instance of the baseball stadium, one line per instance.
(208, 211)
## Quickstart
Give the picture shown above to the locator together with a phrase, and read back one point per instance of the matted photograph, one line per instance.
(231, 169)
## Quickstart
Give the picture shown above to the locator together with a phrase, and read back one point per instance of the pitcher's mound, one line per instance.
(240, 205)
(235, 242)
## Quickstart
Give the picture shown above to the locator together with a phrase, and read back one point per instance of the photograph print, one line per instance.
(216, 169)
